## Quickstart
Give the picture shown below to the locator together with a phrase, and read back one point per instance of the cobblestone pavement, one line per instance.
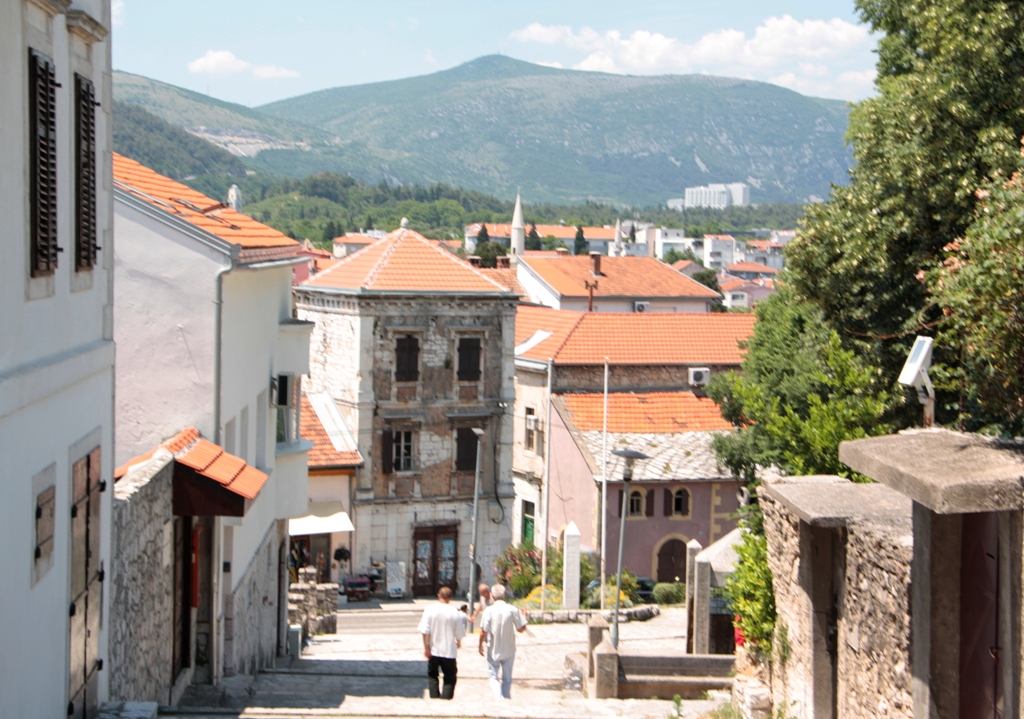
(369, 674)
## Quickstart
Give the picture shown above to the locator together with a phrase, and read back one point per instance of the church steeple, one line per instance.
(517, 241)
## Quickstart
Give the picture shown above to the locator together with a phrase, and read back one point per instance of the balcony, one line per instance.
(291, 354)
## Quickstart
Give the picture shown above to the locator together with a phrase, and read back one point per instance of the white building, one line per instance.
(56, 355)
(717, 196)
(206, 339)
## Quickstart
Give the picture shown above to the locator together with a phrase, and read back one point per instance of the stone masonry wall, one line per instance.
(874, 633)
(590, 378)
(251, 610)
(141, 579)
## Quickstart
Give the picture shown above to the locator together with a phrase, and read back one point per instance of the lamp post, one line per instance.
(630, 456)
(476, 510)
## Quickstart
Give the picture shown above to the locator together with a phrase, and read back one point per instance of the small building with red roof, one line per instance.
(414, 347)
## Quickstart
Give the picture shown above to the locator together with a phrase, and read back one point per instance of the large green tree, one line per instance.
(947, 119)
(580, 246)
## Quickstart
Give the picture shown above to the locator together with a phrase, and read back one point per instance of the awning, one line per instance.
(320, 525)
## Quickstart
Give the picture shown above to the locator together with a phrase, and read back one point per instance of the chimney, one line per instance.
(562, 251)
(474, 260)
(595, 264)
(503, 261)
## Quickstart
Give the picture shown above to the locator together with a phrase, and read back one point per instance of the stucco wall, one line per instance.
(574, 493)
(531, 391)
(251, 609)
(141, 583)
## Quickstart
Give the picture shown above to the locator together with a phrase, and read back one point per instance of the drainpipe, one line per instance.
(218, 344)
(547, 493)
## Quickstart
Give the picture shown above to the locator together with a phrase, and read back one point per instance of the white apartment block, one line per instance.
(717, 196)
(56, 355)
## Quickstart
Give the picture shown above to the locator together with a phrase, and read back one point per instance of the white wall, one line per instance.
(536, 289)
(56, 363)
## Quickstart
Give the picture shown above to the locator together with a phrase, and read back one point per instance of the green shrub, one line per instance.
(749, 588)
(669, 593)
(593, 599)
(552, 598)
(556, 567)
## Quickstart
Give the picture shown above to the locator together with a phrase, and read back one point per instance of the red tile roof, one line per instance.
(208, 460)
(638, 277)
(196, 208)
(751, 267)
(680, 265)
(678, 338)
(405, 260)
(765, 245)
(646, 413)
(556, 324)
(323, 455)
(506, 277)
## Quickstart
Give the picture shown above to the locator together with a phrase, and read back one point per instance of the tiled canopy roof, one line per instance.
(405, 261)
(638, 277)
(649, 412)
(196, 208)
(208, 460)
(680, 265)
(540, 331)
(683, 338)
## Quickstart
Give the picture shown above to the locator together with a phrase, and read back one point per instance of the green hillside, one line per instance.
(166, 148)
(561, 136)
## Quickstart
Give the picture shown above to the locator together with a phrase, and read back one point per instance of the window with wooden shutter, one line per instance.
(649, 504)
(465, 449)
(681, 503)
(469, 359)
(43, 166)
(620, 502)
(85, 174)
(407, 359)
(387, 448)
(668, 502)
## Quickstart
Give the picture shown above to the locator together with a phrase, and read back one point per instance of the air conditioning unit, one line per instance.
(531, 422)
(641, 306)
(282, 390)
(699, 376)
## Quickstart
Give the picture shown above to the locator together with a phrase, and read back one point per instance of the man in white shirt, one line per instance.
(484, 601)
(498, 629)
(442, 627)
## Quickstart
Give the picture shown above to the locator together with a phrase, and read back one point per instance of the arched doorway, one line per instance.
(672, 561)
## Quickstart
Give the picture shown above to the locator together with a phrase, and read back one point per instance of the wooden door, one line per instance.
(435, 559)
(86, 581)
(672, 561)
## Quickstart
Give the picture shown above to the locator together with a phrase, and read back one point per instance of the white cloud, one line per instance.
(117, 12)
(429, 57)
(413, 22)
(224, 62)
(794, 50)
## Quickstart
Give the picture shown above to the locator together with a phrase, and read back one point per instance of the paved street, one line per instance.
(374, 667)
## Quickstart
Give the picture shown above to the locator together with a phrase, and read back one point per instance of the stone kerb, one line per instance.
(606, 671)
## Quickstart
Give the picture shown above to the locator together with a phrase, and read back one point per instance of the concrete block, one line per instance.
(571, 568)
(294, 640)
(597, 629)
(693, 548)
(702, 608)
(606, 671)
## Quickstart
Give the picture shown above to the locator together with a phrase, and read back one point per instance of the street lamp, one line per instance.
(915, 374)
(630, 456)
(476, 510)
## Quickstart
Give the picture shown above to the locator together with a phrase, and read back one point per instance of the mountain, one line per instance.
(167, 149)
(497, 125)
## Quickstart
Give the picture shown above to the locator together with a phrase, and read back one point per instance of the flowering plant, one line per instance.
(518, 568)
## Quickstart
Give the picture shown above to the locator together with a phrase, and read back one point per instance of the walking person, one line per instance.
(442, 627)
(498, 629)
(484, 601)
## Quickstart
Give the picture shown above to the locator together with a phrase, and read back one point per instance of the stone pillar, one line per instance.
(606, 671)
(692, 550)
(571, 568)
(702, 607)
(596, 629)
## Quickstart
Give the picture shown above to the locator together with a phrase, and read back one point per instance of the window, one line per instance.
(469, 359)
(85, 172)
(43, 172)
(396, 452)
(636, 504)
(465, 449)
(529, 521)
(407, 359)
(677, 503)
(531, 429)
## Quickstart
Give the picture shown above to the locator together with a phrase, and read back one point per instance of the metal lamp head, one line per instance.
(630, 456)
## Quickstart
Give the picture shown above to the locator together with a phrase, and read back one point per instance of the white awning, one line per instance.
(320, 525)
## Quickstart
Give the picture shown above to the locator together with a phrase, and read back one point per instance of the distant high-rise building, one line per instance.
(717, 196)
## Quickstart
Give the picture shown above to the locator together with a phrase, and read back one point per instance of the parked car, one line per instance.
(644, 585)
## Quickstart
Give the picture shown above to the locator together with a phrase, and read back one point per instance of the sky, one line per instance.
(257, 51)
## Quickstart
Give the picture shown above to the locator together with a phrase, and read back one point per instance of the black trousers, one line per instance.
(446, 665)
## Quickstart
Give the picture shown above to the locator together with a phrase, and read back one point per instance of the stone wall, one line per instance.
(141, 577)
(590, 378)
(251, 610)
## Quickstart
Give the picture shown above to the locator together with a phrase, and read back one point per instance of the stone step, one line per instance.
(645, 686)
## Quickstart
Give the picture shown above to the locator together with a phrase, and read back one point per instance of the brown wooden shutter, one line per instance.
(465, 449)
(668, 502)
(407, 359)
(469, 359)
(387, 452)
(620, 502)
(85, 166)
(649, 504)
(43, 170)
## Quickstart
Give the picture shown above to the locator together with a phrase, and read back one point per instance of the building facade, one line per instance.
(416, 348)
(56, 355)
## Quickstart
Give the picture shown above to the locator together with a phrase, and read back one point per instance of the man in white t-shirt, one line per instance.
(443, 628)
(498, 628)
(484, 600)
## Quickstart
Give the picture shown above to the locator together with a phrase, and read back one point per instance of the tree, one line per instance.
(482, 237)
(946, 120)
(550, 242)
(533, 238)
(709, 279)
(632, 232)
(330, 232)
(488, 252)
(369, 222)
(580, 246)
(673, 256)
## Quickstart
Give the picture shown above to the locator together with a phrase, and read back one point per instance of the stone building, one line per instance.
(56, 355)
(416, 348)
(206, 339)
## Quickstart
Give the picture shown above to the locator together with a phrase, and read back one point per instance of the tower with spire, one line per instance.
(616, 249)
(517, 242)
